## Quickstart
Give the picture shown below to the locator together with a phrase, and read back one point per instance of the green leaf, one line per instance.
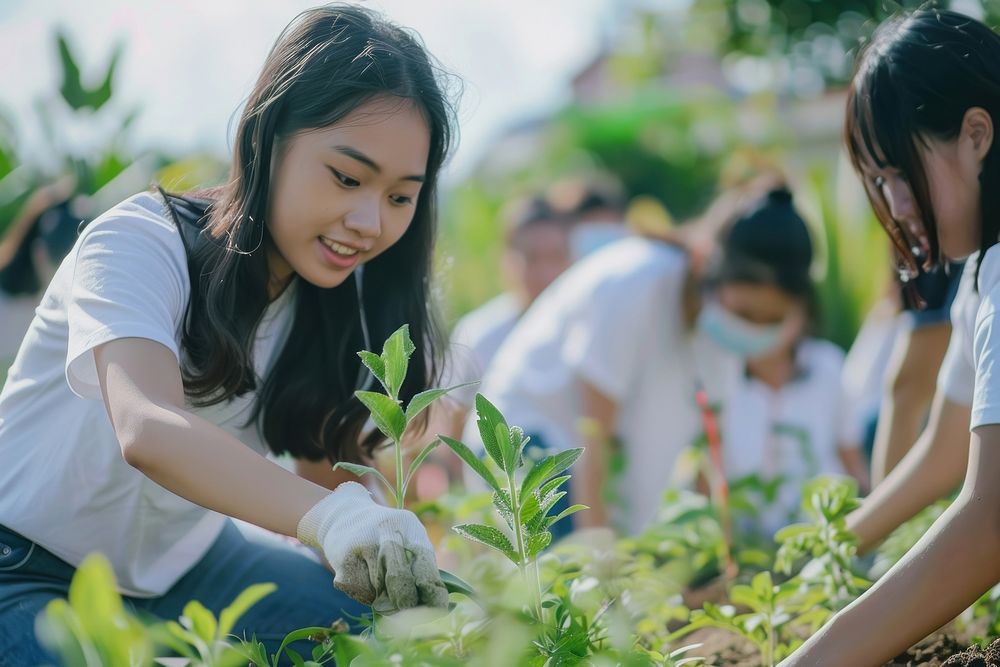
(456, 584)
(362, 470)
(508, 458)
(296, 659)
(488, 417)
(375, 365)
(201, 621)
(298, 635)
(473, 461)
(396, 357)
(549, 466)
(421, 401)
(349, 647)
(424, 453)
(489, 536)
(572, 509)
(538, 542)
(504, 507)
(248, 598)
(386, 413)
(529, 508)
(552, 485)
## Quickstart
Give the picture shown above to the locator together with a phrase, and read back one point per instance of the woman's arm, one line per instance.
(185, 454)
(913, 373)
(951, 566)
(590, 476)
(932, 469)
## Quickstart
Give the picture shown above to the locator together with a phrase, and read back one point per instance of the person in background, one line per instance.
(595, 208)
(611, 357)
(30, 251)
(536, 251)
(781, 413)
(918, 349)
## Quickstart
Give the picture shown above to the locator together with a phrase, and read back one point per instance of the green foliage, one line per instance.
(825, 541)
(390, 369)
(92, 628)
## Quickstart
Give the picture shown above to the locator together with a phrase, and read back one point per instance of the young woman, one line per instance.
(184, 338)
(613, 354)
(921, 118)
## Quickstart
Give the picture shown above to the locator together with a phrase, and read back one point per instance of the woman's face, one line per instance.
(765, 306)
(342, 195)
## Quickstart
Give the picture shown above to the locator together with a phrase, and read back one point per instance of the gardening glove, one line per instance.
(381, 557)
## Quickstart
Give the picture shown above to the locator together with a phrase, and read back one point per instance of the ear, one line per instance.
(977, 132)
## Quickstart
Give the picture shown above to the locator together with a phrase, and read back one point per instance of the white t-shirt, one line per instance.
(986, 343)
(793, 432)
(63, 481)
(615, 320)
(475, 342)
(957, 377)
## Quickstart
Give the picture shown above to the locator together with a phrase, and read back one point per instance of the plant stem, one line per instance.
(400, 491)
(522, 553)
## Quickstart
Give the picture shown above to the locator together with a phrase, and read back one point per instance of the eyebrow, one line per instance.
(355, 154)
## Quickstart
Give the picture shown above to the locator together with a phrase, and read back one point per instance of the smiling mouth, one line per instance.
(339, 248)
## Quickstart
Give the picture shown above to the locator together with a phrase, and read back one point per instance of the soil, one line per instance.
(939, 650)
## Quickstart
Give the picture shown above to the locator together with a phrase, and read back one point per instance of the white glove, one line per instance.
(380, 556)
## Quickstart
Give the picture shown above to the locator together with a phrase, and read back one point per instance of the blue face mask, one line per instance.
(744, 338)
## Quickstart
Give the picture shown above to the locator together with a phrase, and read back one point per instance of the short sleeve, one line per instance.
(604, 343)
(130, 280)
(986, 344)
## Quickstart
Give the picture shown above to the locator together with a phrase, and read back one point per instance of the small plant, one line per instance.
(202, 638)
(825, 540)
(774, 612)
(92, 628)
(524, 506)
(387, 412)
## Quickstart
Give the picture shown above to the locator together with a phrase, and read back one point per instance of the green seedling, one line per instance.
(92, 628)
(774, 612)
(524, 505)
(825, 541)
(390, 368)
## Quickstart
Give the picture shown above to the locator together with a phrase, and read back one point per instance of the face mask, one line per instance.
(736, 334)
(591, 236)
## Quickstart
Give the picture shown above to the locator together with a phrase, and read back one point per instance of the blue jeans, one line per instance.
(30, 577)
(536, 449)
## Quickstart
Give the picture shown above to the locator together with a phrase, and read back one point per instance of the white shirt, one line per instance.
(986, 343)
(475, 341)
(614, 320)
(793, 432)
(957, 377)
(63, 481)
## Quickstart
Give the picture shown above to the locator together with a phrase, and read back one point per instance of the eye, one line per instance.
(345, 180)
(401, 200)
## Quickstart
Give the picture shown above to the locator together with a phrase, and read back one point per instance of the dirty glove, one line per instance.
(380, 556)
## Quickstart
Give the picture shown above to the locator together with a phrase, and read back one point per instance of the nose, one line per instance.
(364, 219)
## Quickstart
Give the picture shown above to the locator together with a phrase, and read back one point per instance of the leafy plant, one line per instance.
(774, 611)
(825, 541)
(92, 628)
(390, 368)
(203, 638)
(525, 507)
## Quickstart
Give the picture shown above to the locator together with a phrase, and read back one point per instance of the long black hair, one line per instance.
(328, 61)
(916, 79)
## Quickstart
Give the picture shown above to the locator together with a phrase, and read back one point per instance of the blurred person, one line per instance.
(536, 251)
(613, 355)
(30, 250)
(185, 337)
(920, 128)
(918, 349)
(594, 206)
